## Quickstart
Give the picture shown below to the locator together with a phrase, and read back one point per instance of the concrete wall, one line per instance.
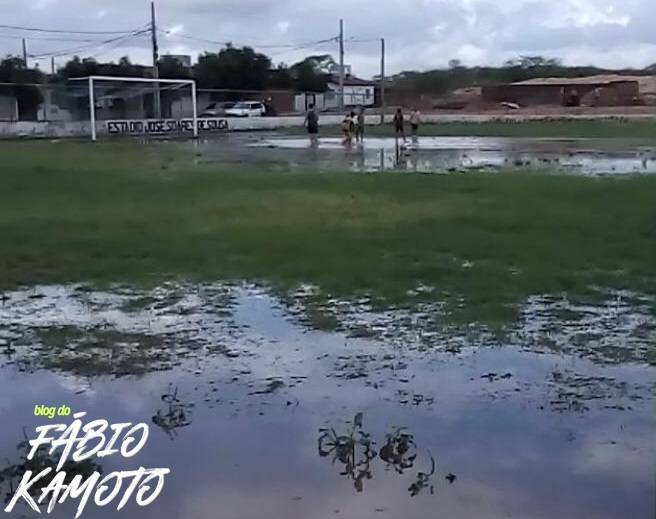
(29, 129)
(8, 108)
(41, 129)
(359, 95)
(354, 95)
(50, 111)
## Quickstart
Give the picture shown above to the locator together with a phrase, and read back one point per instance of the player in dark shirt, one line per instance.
(399, 124)
(312, 123)
(359, 129)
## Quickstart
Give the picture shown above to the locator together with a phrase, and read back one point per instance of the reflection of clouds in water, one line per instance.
(75, 384)
(607, 448)
(510, 456)
(69, 306)
(451, 154)
(264, 339)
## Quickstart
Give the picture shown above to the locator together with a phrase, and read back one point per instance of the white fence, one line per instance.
(26, 129)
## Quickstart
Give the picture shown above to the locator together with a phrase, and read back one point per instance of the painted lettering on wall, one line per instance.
(164, 126)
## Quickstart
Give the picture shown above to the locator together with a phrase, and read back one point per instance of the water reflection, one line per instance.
(398, 451)
(424, 479)
(355, 451)
(175, 416)
(505, 413)
(449, 154)
(11, 475)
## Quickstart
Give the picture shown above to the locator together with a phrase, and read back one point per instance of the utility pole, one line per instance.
(24, 53)
(341, 65)
(52, 66)
(156, 94)
(382, 81)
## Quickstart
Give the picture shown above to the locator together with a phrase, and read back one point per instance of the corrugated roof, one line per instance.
(591, 80)
(352, 81)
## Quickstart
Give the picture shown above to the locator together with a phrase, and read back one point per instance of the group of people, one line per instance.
(354, 124)
(399, 123)
(351, 124)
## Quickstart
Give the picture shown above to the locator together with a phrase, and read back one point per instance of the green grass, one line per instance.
(566, 129)
(119, 212)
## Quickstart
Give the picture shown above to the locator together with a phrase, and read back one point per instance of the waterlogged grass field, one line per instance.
(558, 128)
(402, 337)
(142, 213)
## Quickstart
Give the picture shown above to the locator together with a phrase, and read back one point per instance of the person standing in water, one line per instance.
(312, 123)
(347, 128)
(359, 129)
(399, 124)
(415, 121)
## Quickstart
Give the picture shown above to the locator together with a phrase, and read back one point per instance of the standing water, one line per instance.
(258, 413)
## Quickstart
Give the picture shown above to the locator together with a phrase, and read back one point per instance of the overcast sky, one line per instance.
(420, 34)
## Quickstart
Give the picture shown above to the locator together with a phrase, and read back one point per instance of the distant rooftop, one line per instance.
(590, 80)
(353, 81)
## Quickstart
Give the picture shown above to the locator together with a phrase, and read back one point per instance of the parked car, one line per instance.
(246, 109)
(216, 109)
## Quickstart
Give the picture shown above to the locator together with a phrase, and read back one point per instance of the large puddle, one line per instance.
(437, 154)
(389, 414)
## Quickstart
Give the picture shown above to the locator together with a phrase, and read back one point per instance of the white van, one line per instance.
(246, 109)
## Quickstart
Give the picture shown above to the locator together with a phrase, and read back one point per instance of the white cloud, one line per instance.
(42, 4)
(422, 34)
(173, 30)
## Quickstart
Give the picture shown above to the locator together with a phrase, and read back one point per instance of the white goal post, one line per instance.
(151, 86)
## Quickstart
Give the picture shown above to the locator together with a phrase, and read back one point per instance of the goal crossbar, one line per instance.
(92, 98)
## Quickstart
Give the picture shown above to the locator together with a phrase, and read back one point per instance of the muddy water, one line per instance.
(391, 414)
(436, 154)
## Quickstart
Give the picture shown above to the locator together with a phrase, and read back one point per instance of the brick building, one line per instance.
(592, 91)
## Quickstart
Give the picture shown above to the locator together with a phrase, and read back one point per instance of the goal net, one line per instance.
(138, 106)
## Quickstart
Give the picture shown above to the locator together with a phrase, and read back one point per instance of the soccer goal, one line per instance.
(137, 106)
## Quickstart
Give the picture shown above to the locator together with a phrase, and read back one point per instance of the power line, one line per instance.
(61, 31)
(68, 52)
(36, 38)
(75, 50)
(369, 40)
(308, 46)
(111, 47)
(256, 45)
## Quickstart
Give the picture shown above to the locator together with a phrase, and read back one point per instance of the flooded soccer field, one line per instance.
(339, 345)
(439, 154)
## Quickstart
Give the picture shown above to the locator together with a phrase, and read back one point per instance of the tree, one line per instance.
(280, 77)
(171, 68)
(313, 73)
(76, 68)
(233, 68)
(324, 64)
(529, 67)
(527, 62)
(124, 68)
(23, 89)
